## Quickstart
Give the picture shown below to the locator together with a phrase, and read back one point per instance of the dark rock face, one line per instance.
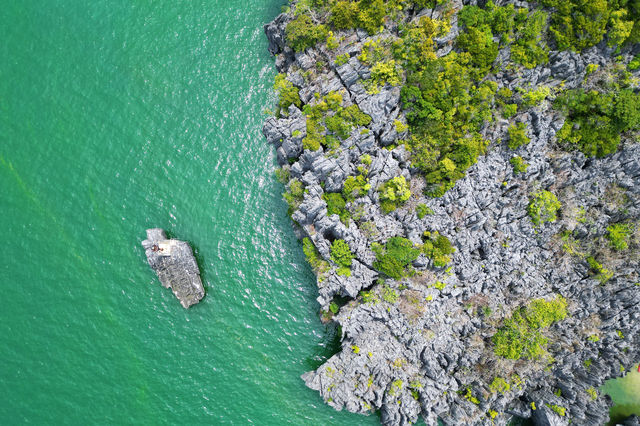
(175, 265)
(416, 356)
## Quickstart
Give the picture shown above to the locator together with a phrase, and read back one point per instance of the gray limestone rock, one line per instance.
(412, 347)
(175, 266)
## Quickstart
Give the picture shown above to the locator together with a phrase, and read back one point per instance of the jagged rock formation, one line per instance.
(427, 352)
(175, 265)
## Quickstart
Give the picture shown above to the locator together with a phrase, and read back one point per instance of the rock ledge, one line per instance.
(175, 265)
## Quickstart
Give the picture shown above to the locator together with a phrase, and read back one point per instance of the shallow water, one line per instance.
(625, 393)
(119, 117)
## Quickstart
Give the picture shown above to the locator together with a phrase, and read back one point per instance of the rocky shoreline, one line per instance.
(421, 345)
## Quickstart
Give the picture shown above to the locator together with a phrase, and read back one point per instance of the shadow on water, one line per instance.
(330, 345)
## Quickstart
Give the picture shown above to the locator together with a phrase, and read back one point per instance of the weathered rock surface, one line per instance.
(175, 265)
(416, 356)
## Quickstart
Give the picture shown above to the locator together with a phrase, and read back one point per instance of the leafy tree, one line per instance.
(287, 93)
(438, 248)
(517, 135)
(336, 205)
(302, 33)
(521, 335)
(341, 254)
(595, 119)
(344, 15)
(394, 256)
(394, 192)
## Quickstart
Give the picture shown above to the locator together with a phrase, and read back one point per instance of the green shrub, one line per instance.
(543, 206)
(393, 193)
(602, 274)
(342, 59)
(319, 265)
(478, 41)
(446, 107)
(382, 73)
(541, 313)
(578, 24)
(519, 165)
(517, 135)
(302, 33)
(422, 210)
(393, 258)
(355, 187)
(438, 248)
(499, 385)
(341, 254)
(529, 48)
(287, 94)
(561, 411)
(344, 15)
(634, 64)
(329, 115)
(283, 175)
(509, 110)
(534, 97)
(595, 119)
(332, 41)
(591, 68)
(294, 195)
(389, 295)
(369, 297)
(336, 205)
(619, 235)
(521, 335)
(371, 15)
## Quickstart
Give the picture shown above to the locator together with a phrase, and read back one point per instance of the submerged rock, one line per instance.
(175, 265)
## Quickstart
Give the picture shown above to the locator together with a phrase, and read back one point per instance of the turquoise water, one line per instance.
(115, 117)
(625, 393)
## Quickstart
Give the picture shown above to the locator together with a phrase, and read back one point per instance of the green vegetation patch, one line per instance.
(521, 335)
(319, 265)
(519, 165)
(619, 235)
(302, 33)
(336, 204)
(499, 385)
(596, 118)
(287, 94)
(543, 207)
(394, 193)
(438, 248)
(328, 121)
(294, 195)
(394, 257)
(341, 254)
(423, 210)
(517, 135)
(580, 24)
(355, 186)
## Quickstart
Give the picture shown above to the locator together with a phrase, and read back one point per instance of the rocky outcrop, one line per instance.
(427, 352)
(175, 265)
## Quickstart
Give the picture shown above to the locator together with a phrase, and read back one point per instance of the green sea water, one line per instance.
(116, 116)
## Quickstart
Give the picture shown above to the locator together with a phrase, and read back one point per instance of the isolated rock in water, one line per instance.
(175, 265)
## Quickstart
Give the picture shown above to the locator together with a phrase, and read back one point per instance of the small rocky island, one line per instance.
(175, 265)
